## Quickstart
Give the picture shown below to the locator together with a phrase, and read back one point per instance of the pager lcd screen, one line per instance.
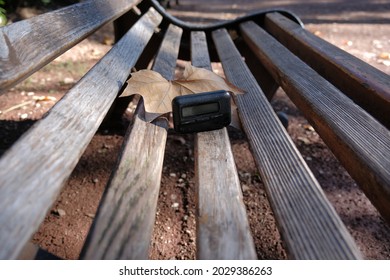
(201, 109)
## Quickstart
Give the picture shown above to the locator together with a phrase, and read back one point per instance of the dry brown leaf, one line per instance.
(385, 55)
(44, 98)
(196, 80)
(154, 88)
(159, 92)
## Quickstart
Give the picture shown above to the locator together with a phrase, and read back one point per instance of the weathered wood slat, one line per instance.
(34, 169)
(263, 78)
(360, 142)
(308, 224)
(199, 51)
(223, 230)
(366, 85)
(165, 61)
(28, 45)
(124, 225)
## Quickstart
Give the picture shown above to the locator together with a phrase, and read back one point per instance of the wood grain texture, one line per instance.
(360, 142)
(124, 224)
(263, 78)
(34, 169)
(223, 229)
(308, 223)
(165, 62)
(28, 45)
(366, 85)
(199, 51)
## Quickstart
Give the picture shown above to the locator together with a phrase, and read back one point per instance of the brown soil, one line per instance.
(349, 25)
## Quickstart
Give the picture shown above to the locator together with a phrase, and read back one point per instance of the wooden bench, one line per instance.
(346, 101)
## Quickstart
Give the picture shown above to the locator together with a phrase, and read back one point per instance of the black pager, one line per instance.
(202, 111)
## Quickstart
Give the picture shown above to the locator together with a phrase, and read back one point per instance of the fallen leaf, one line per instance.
(196, 80)
(317, 33)
(155, 89)
(384, 58)
(158, 92)
(384, 55)
(44, 98)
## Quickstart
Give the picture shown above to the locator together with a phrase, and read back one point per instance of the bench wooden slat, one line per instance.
(359, 141)
(28, 45)
(34, 169)
(124, 224)
(199, 51)
(223, 229)
(366, 85)
(165, 62)
(309, 225)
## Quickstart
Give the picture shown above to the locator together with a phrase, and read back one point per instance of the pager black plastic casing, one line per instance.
(202, 111)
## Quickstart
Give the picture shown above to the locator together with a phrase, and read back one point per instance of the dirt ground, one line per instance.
(360, 27)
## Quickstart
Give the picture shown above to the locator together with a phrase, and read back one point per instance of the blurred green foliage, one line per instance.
(3, 18)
